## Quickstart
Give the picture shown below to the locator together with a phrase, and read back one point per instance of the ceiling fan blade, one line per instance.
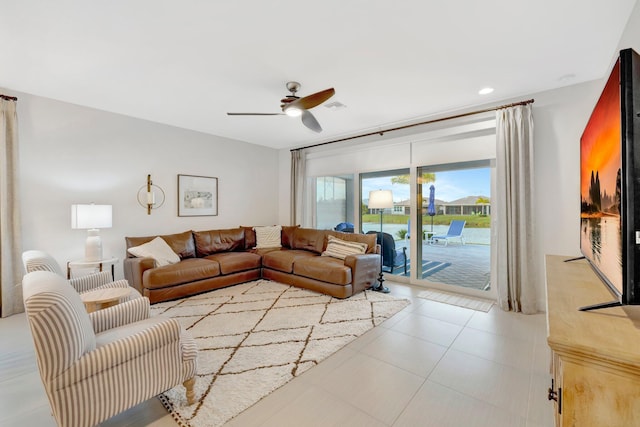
(314, 99)
(310, 121)
(254, 114)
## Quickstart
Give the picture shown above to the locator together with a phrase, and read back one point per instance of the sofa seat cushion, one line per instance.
(283, 260)
(325, 269)
(233, 262)
(187, 270)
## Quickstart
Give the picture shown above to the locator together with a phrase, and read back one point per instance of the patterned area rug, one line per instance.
(255, 337)
(478, 304)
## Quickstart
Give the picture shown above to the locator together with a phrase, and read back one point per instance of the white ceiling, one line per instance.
(186, 63)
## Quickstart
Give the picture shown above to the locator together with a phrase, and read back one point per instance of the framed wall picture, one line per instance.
(197, 195)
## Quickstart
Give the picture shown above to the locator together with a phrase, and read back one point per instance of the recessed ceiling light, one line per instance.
(566, 78)
(335, 105)
(485, 91)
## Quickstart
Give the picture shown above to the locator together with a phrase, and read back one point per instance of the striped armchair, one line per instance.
(35, 260)
(94, 366)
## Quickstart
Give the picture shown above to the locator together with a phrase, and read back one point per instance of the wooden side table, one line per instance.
(86, 264)
(103, 298)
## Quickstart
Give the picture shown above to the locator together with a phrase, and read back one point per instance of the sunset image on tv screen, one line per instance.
(600, 184)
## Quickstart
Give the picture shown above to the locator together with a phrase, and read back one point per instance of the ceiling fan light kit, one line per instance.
(294, 106)
(292, 111)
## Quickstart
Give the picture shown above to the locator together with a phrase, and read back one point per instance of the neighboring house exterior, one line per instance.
(465, 206)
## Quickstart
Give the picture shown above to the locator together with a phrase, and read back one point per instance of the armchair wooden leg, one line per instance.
(191, 394)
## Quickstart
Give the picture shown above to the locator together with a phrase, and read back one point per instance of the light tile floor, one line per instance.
(432, 364)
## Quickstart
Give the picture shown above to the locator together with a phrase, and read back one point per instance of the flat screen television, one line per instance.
(610, 184)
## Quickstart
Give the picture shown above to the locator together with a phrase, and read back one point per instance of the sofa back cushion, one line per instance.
(287, 234)
(212, 241)
(308, 239)
(249, 237)
(369, 239)
(181, 243)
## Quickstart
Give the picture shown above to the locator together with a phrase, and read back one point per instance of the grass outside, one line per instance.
(473, 221)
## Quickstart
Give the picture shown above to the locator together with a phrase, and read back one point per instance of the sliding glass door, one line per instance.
(392, 220)
(453, 226)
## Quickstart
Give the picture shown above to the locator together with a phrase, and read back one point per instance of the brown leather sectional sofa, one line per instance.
(218, 258)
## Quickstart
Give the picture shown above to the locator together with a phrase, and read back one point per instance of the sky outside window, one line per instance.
(450, 185)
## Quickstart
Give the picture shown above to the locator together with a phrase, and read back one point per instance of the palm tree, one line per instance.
(427, 177)
(483, 201)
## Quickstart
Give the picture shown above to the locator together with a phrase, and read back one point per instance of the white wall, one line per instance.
(559, 117)
(71, 154)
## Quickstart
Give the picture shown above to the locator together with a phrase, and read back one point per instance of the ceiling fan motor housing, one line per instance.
(293, 87)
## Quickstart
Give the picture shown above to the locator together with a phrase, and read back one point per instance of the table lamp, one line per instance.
(92, 218)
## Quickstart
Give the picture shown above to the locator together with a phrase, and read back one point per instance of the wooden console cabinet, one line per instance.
(596, 354)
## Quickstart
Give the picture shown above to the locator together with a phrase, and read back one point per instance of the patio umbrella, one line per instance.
(431, 209)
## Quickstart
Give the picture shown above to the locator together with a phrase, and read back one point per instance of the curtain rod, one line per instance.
(382, 132)
(8, 98)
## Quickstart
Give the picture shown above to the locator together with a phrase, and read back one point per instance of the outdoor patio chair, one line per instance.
(391, 258)
(455, 231)
(345, 227)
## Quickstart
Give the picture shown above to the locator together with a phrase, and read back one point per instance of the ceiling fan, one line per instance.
(295, 106)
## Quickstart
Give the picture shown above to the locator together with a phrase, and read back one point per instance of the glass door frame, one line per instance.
(415, 245)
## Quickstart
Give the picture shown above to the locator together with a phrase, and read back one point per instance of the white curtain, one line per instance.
(298, 170)
(515, 251)
(10, 247)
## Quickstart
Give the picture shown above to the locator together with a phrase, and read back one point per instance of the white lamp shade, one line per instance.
(380, 199)
(91, 216)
